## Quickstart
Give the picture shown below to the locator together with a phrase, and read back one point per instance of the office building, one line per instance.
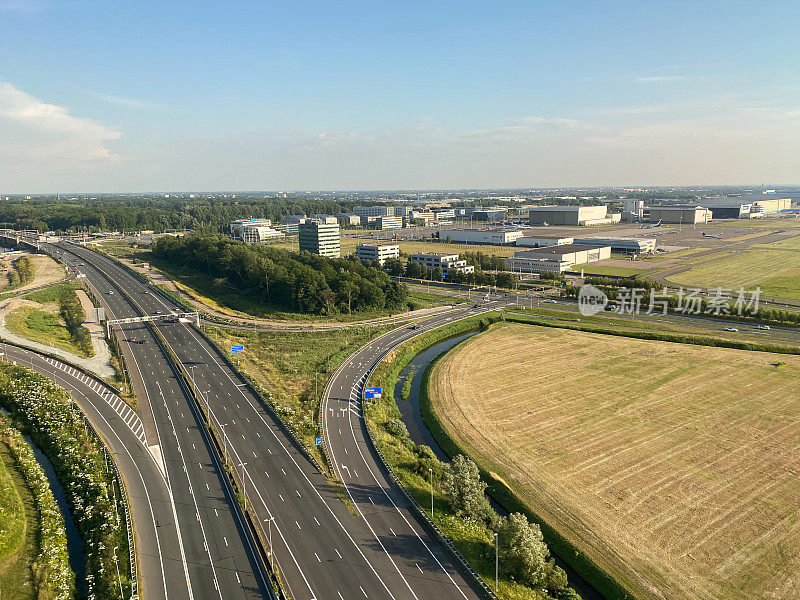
(377, 252)
(235, 226)
(445, 262)
(373, 211)
(320, 238)
(348, 219)
(382, 223)
(254, 234)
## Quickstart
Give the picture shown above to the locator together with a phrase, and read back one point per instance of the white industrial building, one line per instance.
(622, 245)
(572, 215)
(320, 238)
(749, 206)
(445, 262)
(348, 219)
(377, 252)
(425, 216)
(556, 258)
(543, 241)
(480, 236)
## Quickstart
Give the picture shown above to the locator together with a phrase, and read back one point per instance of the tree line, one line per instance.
(398, 268)
(301, 282)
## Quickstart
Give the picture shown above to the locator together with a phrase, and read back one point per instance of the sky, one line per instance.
(202, 96)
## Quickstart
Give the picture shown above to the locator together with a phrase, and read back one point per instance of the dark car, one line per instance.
(133, 340)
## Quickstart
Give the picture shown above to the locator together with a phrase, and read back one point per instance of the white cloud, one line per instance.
(45, 138)
(128, 102)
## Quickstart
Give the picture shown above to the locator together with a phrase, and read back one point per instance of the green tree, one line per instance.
(461, 482)
(523, 553)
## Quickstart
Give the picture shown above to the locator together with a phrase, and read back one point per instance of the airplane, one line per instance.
(651, 225)
(716, 236)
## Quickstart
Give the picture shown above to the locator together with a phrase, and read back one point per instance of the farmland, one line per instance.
(673, 467)
(776, 271)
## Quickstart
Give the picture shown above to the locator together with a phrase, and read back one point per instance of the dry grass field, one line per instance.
(675, 467)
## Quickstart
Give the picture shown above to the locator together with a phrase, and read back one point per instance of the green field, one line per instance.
(18, 526)
(776, 272)
(44, 327)
(614, 271)
(792, 243)
(292, 368)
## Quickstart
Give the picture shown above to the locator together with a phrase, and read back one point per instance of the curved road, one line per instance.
(322, 550)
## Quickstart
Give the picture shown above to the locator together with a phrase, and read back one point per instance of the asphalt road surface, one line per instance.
(218, 555)
(321, 549)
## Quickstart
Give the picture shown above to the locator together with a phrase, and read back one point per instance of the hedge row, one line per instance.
(45, 412)
(52, 576)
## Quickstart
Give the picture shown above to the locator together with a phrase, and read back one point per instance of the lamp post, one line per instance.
(496, 562)
(430, 469)
(191, 370)
(119, 579)
(224, 442)
(271, 551)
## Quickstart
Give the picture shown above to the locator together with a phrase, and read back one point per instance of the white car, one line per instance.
(110, 292)
(764, 327)
(731, 329)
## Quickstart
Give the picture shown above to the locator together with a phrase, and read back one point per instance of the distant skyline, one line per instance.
(112, 97)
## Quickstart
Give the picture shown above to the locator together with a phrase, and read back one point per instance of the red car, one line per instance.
(133, 340)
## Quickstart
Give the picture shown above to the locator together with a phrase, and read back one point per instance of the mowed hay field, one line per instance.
(676, 468)
(776, 272)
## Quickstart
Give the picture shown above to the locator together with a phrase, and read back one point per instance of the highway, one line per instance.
(321, 549)
(218, 556)
(159, 553)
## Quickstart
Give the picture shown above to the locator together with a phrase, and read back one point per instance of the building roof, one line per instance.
(562, 249)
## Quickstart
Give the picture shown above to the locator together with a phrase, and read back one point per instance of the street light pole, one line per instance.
(496, 562)
(116, 562)
(431, 472)
(224, 442)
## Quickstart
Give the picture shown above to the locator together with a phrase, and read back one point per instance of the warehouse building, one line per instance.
(255, 234)
(579, 216)
(543, 241)
(480, 236)
(576, 254)
(622, 245)
(680, 215)
(377, 252)
(320, 238)
(749, 206)
(445, 262)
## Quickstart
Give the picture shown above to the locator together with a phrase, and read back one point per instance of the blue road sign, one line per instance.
(372, 392)
(319, 441)
(444, 275)
(237, 349)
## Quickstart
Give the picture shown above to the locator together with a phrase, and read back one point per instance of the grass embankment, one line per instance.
(665, 462)
(57, 321)
(291, 369)
(474, 539)
(34, 563)
(593, 269)
(776, 272)
(45, 412)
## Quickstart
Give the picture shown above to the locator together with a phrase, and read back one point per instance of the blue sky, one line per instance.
(111, 96)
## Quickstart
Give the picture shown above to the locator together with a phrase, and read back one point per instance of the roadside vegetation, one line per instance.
(269, 277)
(637, 452)
(45, 412)
(461, 509)
(34, 563)
(57, 320)
(291, 369)
(21, 272)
